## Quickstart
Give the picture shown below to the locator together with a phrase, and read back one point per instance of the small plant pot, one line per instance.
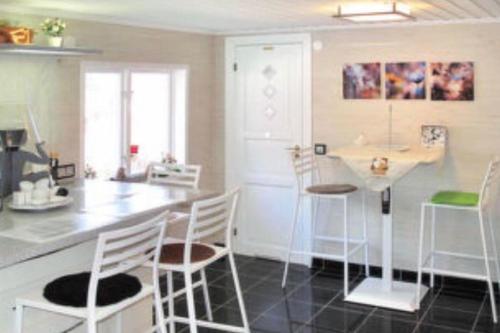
(55, 41)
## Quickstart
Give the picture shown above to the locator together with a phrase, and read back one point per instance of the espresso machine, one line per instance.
(13, 159)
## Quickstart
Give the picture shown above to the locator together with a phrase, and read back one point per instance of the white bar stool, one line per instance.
(305, 165)
(479, 203)
(117, 252)
(208, 218)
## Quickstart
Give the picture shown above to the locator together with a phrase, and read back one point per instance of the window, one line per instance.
(134, 115)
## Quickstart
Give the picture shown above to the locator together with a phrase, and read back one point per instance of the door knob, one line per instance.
(296, 151)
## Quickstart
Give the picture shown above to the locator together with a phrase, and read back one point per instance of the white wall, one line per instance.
(474, 126)
(58, 81)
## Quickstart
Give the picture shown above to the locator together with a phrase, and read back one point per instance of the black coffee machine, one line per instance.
(13, 159)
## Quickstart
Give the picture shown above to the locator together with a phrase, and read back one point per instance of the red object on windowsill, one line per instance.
(134, 149)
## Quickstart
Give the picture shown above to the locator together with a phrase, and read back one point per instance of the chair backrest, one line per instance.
(120, 251)
(490, 180)
(211, 217)
(305, 164)
(174, 174)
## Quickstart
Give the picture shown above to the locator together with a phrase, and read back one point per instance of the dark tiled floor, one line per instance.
(313, 302)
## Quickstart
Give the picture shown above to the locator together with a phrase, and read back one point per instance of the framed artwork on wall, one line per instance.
(452, 81)
(434, 136)
(405, 80)
(362, 81)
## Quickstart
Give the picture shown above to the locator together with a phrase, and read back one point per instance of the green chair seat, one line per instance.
(455, 198)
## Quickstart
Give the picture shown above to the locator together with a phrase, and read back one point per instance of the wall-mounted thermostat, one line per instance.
(320, 149)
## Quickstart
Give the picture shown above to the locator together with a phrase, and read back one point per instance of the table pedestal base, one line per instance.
(401, 297)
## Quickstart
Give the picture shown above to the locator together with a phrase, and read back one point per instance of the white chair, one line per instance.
(117, 251)
(174, 174)
(305, 165)
(208, 218)
(478, 203)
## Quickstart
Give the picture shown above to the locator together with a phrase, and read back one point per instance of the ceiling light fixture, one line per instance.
(375, 12)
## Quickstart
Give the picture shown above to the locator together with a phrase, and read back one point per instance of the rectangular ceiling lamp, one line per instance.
(375, 12)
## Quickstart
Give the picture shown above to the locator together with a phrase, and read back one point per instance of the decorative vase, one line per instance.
(55, 41)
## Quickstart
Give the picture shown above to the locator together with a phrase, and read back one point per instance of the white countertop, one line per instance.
(98, 206)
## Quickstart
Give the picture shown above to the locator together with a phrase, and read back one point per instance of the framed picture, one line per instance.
(405, 80)
(362, 81)
(434, 136)
(452, 81)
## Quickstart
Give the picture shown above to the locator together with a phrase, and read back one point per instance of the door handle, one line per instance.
(294, 148)
(296, 151)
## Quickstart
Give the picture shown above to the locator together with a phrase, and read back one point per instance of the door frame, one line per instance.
(231, 137)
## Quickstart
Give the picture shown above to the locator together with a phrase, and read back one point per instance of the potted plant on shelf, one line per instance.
(54, 28)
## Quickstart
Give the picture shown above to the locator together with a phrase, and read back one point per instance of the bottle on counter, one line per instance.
(54, 165)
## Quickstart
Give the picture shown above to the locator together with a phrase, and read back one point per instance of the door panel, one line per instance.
(269, 100)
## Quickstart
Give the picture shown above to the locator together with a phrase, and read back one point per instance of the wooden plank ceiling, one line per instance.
(231, 16)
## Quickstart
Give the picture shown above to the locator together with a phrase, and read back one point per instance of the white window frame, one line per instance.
(125, 68)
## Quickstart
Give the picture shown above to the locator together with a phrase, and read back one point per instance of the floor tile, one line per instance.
(272, 287)
(459, 299)
(296, 312)
(437, 329)
(218, 296)
(485, 324)
(296, 274)
(339, 320)
(256, 303)
(227, 281)
(387, 325)
(274, 325)
(447, 317)
(327, 281)
(308, 294)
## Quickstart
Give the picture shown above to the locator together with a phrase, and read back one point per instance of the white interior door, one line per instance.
(270, 113)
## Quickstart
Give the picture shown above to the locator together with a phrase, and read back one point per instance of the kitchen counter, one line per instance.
(97, 206)
(37, 247)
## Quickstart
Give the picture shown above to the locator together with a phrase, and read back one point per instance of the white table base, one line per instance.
(400, 297)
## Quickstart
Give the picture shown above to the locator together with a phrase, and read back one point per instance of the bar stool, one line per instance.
(305, 165)
(208, 218)
(117, 252)
(464, 201)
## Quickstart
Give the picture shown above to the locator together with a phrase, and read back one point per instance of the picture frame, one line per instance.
(434, 136)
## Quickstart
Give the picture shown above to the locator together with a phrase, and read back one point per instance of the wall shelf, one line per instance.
(46, 50)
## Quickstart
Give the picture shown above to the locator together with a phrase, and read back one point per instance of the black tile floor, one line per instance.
(312, 302)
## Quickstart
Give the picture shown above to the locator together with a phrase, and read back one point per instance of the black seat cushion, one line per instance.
(72, 290)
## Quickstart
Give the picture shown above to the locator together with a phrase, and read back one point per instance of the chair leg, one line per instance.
(158, 305)
(346, 250)
(190, 302)
(365, 234)
(206, 295)
(433, 245)
(91, 326)
(290, 240)
(495, 249)
(171, 301)
(487, 267)
(239, 294)
(119, 322)
(19, 318)
(420, 257)
(315, 214)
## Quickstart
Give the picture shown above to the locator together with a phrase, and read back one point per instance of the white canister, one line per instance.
(40, 196)
(18, 198)
(42, 184)
(26, 186)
